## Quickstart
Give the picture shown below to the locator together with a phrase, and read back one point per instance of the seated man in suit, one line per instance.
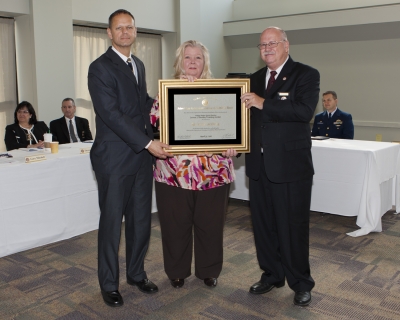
(333, 122)
(70, 128)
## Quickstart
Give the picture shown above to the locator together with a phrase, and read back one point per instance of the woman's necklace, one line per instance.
(28, 133)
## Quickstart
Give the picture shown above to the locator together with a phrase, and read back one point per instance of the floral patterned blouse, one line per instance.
(191, 171)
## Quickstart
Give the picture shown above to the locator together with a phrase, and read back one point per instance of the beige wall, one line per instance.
(14, 7)
(354, 44)
(149, 14)
(45, 62)
(202, 20)
(45, 58)
(251, 9)
(365, 75)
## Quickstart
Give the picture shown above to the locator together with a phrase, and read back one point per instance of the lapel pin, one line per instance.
(284, 78)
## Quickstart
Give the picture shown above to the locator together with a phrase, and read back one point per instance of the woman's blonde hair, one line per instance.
(180, 52)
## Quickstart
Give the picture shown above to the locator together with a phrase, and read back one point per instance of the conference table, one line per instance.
(352, 178)
(47, 201)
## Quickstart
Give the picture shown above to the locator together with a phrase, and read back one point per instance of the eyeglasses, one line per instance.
(23, 111)
(271, 44)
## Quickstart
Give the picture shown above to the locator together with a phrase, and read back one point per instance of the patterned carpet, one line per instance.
(356, 278)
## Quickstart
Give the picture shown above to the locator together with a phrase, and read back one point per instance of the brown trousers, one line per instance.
(185, 214)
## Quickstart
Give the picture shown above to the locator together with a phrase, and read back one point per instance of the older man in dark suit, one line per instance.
(70, 128)
(283, 98)
(122, 158)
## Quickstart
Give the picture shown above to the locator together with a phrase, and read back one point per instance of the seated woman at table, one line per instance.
(192, 193)
(26, 131)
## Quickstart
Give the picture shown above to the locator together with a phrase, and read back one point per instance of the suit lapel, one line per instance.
(284, 76)
(21, 134)
(121, 66)
(139, 70)
(64, 128)
(261, 84)
(259, 89)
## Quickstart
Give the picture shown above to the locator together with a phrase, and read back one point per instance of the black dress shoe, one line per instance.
(177, 283)
(112, 298)
(262, 287)
(302, 298)
(211, 282)
(144, 285)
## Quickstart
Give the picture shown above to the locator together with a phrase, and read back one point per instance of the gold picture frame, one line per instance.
(204, 115)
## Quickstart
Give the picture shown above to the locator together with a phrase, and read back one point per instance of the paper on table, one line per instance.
(31, 149)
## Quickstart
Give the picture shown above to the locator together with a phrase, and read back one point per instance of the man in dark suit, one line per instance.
(283, 98)
(70, 128)
(333, 123)
(122, 158)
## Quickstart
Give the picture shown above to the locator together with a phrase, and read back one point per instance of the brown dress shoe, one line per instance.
(177, 283)
(211, 282)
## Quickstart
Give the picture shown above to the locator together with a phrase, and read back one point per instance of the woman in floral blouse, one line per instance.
(192, 192)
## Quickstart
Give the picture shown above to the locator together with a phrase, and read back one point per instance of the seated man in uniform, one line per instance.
(69, 129)
(333, 122)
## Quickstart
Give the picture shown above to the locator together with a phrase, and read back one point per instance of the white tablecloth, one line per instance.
(352, 178)
(355, 178)
(47, 201)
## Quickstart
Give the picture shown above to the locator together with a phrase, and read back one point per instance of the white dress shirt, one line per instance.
(278, 71)
(332, 113)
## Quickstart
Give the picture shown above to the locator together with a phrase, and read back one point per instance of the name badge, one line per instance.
(283, 95)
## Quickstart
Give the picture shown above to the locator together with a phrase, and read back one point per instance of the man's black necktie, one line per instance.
(129, 62)
(72, 132)
(271, 80)
(329, 115)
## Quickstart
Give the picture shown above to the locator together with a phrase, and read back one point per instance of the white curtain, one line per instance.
(147, 48)
(90, 43)
(8, 77)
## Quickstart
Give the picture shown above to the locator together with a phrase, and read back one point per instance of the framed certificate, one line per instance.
(204, 115)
